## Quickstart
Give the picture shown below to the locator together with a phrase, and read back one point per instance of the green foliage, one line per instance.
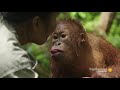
(114, 34)
(90, 21)
(42, 55)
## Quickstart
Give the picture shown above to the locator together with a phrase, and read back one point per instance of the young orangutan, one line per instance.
(77, 54)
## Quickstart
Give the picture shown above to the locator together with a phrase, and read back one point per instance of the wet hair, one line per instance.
(19, 17)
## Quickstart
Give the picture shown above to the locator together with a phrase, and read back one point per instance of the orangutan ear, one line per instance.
(83, 37)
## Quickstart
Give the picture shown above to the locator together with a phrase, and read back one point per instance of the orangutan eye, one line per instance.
(55, 37)
(63, 35)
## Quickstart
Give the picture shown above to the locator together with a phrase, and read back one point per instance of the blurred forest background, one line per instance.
(105, 24)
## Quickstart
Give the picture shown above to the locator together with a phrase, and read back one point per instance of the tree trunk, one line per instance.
(106, 20)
